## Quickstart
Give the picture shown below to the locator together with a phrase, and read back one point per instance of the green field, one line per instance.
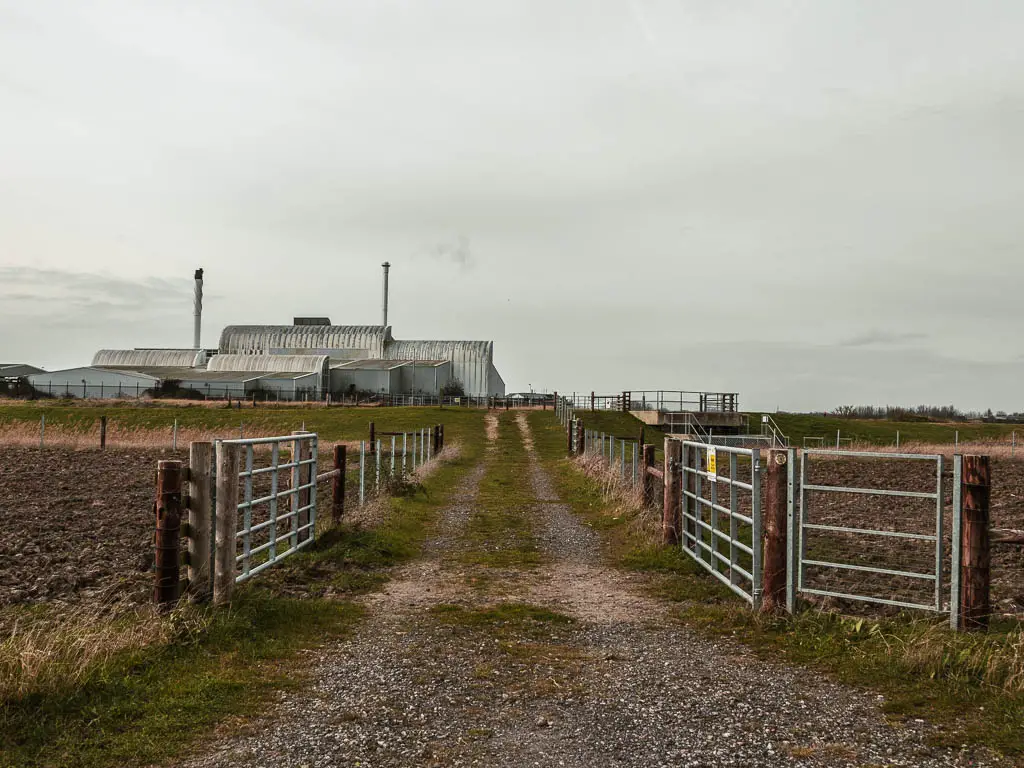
(800, 426)
(330, 423)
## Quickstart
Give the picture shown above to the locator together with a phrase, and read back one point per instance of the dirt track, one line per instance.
(463, 664)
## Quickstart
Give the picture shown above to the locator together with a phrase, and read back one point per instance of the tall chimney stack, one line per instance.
(198, 309)
(384, 320)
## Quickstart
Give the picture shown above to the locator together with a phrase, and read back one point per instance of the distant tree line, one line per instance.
(923, 413)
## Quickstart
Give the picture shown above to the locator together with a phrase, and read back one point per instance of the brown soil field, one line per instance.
(79, 523)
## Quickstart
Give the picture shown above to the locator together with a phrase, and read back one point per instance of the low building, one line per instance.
(93, 382)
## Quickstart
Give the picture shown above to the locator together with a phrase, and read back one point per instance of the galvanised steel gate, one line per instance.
(865, 542)
(266, 533)
(721, 515)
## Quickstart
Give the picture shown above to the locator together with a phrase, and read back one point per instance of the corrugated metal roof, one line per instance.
(439, 350)
(148, 358)
(370, 365)
(268, 363)
(17, 370)
(76, 373)
(281, 339)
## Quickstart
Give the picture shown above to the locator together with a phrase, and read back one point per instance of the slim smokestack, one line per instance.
(384, 321)
(198, 310)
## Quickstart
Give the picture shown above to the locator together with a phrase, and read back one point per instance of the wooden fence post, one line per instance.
(167, 542)
(103, 432)
(649, 484)
(373, 438)
(773, 578)
(673, 492)
(592, 401)
(227, 523)
(338, 485)
(200, 518)
(976, 561)
(440, 428)
(581, 441)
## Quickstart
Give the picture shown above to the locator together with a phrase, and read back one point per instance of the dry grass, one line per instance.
(46, 652)
(26, 434)
(621, 498)
(377, 508)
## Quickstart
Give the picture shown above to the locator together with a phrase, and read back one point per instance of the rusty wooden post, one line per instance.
(440, 428)
(649, 480)
(103, 432)
(338, 485)
(200, 518)
(225, 548)
(773, 577)
(976, 561)
(304, 451)
(592, 401)
(168, 533)
(373, 438)
(581, 438)
(673, 492)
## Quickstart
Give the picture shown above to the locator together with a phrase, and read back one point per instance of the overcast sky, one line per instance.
(809, 203)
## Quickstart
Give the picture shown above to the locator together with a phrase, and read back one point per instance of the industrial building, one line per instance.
(307, 360)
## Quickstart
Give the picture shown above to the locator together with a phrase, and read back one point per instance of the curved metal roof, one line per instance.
(264, 339)
(268, 363)
(440, 350)
(149, 358)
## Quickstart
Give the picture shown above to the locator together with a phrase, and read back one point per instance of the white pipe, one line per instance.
(197, 310)
(384, 307)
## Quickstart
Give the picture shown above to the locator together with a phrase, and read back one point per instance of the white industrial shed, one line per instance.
(93, 382)
(17, 370)
(136, 359)
(469, 362)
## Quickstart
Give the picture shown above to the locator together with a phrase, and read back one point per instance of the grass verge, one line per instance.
(499, 533)
(971, 685)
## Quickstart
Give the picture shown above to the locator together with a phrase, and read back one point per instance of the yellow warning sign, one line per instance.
(713, 465)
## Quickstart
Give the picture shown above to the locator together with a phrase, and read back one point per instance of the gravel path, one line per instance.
(618, 683)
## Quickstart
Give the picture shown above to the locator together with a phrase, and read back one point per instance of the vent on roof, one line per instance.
(312, 321)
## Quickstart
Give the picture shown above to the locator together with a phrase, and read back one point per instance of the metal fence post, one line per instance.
(647, 477)
(776, 503)
(673, 491)
(756, 590)
(362, 473)
(791, 531)
(226, 523)
(200, 519)
(167, 542)
(376, 477)
(956, 541)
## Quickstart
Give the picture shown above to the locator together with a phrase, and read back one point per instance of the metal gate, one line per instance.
(864, 541)
(711, 526)
(266, 533)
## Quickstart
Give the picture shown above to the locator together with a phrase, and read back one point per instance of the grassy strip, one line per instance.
(499, 534)
(148, 703)
(330, 423)
(145, 706)
(969, 684)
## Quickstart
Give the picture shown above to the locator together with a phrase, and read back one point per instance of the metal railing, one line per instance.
(703, 536)
(801, 522)
(268, 538)
(657, 400)
(626, 459)
(408, 452)
(770, 429)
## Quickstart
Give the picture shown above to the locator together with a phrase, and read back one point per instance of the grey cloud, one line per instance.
(881, 338)
(456, 252)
